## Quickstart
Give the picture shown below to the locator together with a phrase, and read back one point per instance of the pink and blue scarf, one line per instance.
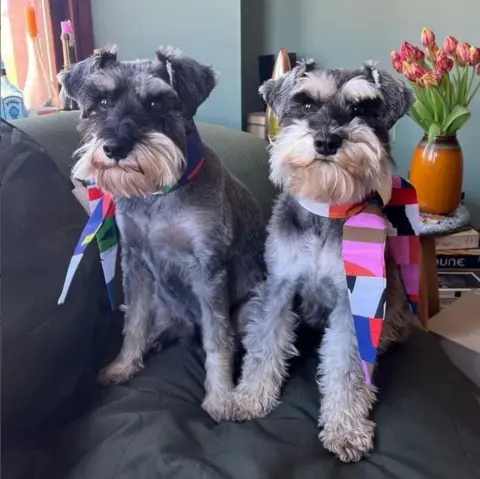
(369, 226)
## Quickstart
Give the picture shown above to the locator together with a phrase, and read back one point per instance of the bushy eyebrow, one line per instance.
(104, 81)
(319, 85)
(358, 88)
(149, 86)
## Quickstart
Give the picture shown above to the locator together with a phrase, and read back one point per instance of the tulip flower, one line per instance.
(419, 56)
(444, 64)
(438, 74)
(407, 71)
(432, 52)
(407, 51)
(450, 45)
(442, 96)
(440, 55)
(396, 61)
(417, 70)
(474, 57)
(427, 37)
(428, 80)
(462, 53)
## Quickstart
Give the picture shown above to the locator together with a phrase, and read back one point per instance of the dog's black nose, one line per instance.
(328, 144)
(116, 151)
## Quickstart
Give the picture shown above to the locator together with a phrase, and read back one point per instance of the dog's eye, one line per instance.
(155, 104)
(104, 103)
(304, 100)
(366, 108)
(357, 110)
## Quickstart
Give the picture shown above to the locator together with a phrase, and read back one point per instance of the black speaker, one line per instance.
(266, 63)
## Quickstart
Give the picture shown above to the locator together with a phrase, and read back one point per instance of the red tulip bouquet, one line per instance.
(444, 80)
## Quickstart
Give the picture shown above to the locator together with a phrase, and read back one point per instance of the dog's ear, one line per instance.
(276, 92)
(192, 81)
(397, 96)
(73, 77)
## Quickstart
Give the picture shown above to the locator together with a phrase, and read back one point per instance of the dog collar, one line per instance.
(195, 159)
(330, 210)
(102, 226)
(365, 236)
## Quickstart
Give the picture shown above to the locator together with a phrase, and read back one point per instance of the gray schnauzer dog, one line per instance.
(333, 147)
(190, 255)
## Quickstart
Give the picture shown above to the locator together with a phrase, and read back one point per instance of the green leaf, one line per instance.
(463, 87)
(433, 132)
(431, 102)
(451, 93)
(420, 94)
(457, 118)
(424, 112)
(459, 123)
(458, 86)
(441, 109)
(469, 86)
(445, 89)
(454, 89)
(422, 121)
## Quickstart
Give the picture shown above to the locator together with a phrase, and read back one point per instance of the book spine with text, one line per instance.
(459, 260)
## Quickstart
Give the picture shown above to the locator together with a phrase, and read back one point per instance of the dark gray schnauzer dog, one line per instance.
(333, 147)
(191, 254)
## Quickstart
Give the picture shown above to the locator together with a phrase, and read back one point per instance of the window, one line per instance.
(14, 44)
(49, 15)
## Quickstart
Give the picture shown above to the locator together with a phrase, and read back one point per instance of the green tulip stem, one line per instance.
(474, 91)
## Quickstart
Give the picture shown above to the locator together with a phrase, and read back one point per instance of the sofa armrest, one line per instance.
(50, 353)
(57, 134)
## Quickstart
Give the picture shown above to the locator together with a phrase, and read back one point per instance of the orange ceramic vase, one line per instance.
(437, 174)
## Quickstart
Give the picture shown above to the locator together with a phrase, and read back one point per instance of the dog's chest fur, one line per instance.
(311, 248)
(179, 225)
(173, 230)
(180, 236)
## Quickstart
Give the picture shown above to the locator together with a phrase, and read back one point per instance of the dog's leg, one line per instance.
(269, 342)
(211, 289)
(138, 290)
(346, 399)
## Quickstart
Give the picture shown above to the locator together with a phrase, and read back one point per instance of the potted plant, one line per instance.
(445, 81)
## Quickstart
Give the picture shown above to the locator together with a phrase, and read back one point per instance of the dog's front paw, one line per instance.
(219, 406)
(349, 441)
(119, 372)
(251, 403)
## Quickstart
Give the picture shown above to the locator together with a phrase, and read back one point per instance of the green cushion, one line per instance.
(153, 426)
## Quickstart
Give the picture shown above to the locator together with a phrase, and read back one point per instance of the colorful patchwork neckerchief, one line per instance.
(102, 225)
(366, 230)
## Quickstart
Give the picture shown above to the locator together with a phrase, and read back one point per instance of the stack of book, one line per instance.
(458, 263)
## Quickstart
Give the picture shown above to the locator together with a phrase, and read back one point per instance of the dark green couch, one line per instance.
(58, 423)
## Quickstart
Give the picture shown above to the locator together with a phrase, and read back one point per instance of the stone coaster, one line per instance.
(442, 225)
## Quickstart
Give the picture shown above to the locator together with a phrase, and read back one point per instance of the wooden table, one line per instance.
(432, 227)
